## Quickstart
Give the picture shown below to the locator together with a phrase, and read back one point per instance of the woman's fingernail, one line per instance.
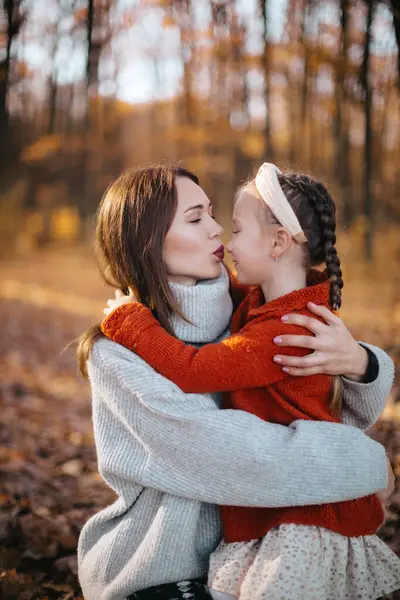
(285, 369)
(278, 340)
(312, 304)
(285, 318)
(277, 359)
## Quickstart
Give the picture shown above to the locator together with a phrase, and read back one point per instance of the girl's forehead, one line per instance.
(247, 204)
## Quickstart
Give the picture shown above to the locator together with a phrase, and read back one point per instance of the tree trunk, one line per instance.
(5, 67)
(367, 173)
(52, 105)
(84, 198)
(183, 11)
(266, 62)
(9, 144)
(342, 142)
(395, 4)
(305, 87)
(89, 40)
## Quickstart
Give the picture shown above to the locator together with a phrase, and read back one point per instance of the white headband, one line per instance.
(268, 187)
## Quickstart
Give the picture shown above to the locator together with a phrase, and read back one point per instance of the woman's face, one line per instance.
(193, 239)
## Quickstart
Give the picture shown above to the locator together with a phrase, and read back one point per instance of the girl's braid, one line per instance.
(321, 247)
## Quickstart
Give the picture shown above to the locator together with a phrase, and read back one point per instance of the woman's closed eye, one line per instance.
(199, 219)
(199, 216)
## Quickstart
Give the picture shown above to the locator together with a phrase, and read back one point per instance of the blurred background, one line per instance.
(91, 87)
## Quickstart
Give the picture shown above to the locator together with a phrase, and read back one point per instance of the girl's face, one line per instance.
(191, 243)
(252, 240)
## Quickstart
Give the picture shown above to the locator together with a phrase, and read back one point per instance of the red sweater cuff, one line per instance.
(124, 324)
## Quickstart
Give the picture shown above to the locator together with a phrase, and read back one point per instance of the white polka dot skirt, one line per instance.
(303, 562)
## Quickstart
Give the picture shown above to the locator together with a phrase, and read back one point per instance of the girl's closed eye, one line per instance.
(196, 220)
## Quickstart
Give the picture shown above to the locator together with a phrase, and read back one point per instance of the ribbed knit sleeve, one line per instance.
(363, 403)
(243, 360)
(187, 447)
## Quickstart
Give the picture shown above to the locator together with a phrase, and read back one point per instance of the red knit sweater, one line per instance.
(243, 366)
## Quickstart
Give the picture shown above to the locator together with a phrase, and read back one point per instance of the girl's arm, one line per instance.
(241, 361)
(334, 351)
(195, 451)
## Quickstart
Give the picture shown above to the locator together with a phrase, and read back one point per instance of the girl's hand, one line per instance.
(119, 300)
(335, 350)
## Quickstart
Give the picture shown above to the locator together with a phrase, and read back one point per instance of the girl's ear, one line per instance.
(282, 241)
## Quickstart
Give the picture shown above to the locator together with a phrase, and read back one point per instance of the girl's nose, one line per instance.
(229, 246)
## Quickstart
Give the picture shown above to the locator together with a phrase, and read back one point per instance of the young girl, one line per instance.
(283, 225)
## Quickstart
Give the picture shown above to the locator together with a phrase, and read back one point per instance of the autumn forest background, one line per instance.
(91, 87)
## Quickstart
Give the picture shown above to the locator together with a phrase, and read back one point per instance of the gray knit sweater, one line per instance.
(172, 457)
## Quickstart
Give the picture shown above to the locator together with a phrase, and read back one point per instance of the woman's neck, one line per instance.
(207, 306)
(182, 280)
(284, 280)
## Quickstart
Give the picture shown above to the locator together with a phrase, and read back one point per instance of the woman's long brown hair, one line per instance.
(132, 221)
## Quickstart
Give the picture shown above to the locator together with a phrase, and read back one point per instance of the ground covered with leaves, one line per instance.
(49, 484)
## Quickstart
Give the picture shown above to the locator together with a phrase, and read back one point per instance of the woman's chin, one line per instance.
(212, 272)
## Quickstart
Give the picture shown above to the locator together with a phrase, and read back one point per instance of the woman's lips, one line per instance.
(219, 253)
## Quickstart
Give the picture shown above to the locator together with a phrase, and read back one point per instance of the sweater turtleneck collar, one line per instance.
(208, 307)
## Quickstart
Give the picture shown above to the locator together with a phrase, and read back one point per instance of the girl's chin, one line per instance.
(241, 277)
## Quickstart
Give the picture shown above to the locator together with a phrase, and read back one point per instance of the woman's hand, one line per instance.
(335, 350)
(119, 300)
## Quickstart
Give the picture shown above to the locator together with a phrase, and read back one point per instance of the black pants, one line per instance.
(195, 589)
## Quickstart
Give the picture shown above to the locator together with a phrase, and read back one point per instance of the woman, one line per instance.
(165, 453)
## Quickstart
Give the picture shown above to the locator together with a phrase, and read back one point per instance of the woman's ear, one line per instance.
(282, 241)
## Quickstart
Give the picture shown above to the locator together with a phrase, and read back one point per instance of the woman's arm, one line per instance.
(370, 371)
(364, 401)
(193, 450)
(241, 361)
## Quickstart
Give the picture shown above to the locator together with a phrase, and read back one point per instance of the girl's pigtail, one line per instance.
(326, 209)
(321, 246)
